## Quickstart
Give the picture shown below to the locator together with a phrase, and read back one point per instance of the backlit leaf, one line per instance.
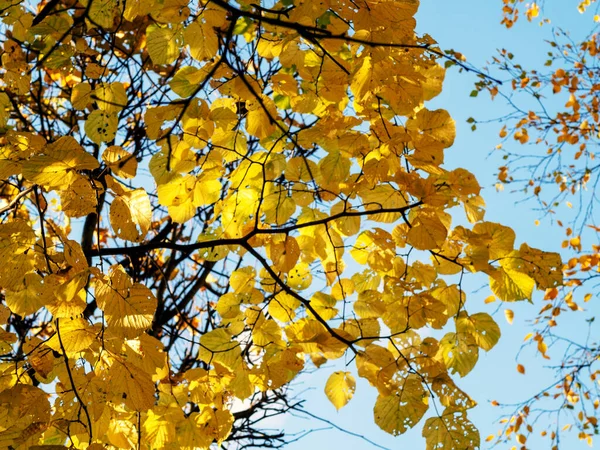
(510, 285)
(101, 126)
(131, 215)
(403, 408)
(74, 335)
(340, 388)
(451, 430)
(459, 351)
(163, 44)
(128, 307)
(482, 327)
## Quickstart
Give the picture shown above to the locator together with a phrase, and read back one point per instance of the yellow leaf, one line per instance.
(80, 199)
(40, 356)
(178, 194)
(450, 395)
(403, 408)
(266, 332)
(29, 299)
(474, 208)
(163, 44)
(324, 305)
(135, 8)
(284, 253)
(218, 346)
(340, 388)
(335, 167)
(500, 240)
(128, 307)
(543, 267)
(22, 405)
(258, 122)
(361, 81)
(437, 125)
(81, 96)
(101, 126)
(69, 296)
(110, 97)
(482, 327)
(207, 192)
(451, 430)
(490, 299)
(509, 315)
(102, 12)
(203, 41)
(427, 233)
(58, 163)
(459, 352)
(159, 430)
(283, 307)
(131, 385)
(4, 314)
(131, 215)
(122, 433)
(182, 160)
(509, 285)
(300, 277)
(186, 81)
(75, 335)
(122, 163)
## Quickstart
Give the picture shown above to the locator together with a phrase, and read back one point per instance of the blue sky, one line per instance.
(473, 28)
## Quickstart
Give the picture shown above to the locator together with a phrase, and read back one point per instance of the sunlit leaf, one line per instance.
(340, 388)
(403, 408)
(131, 215)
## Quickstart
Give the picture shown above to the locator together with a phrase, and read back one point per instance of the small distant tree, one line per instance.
(202, 200)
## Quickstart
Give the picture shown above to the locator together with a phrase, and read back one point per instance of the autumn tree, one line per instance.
(202, 200)
(549, 143)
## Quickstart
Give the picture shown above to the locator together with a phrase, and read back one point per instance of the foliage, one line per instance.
(202, 200)
(554, 117)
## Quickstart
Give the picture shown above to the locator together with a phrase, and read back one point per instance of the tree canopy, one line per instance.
(201, 200)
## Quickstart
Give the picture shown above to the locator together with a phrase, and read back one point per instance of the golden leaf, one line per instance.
(128, 307)
(163, 44)
(101, 126)
(131, 215)
(403, 408)
(340, 388)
